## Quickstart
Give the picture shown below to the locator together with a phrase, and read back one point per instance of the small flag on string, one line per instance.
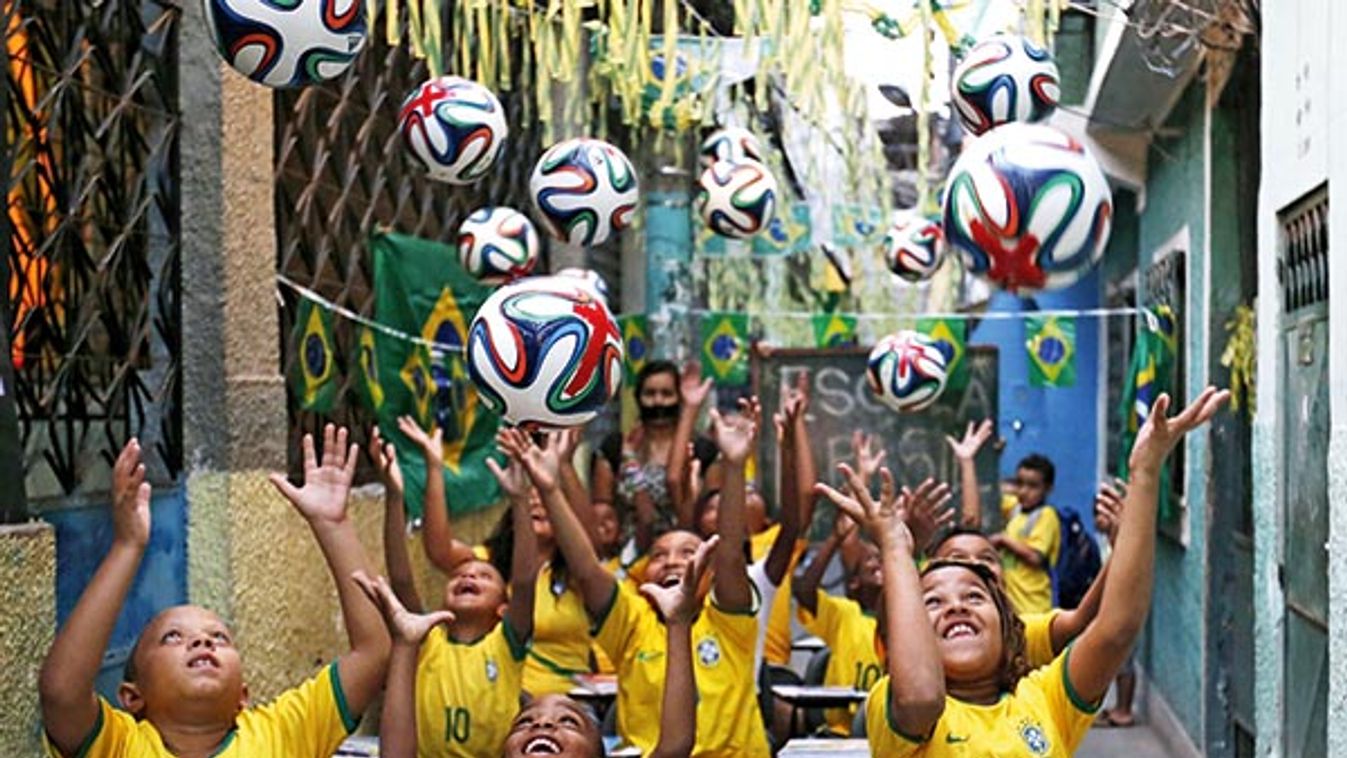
(834, 330)
(367, 369)
(314, 381)
(725, 347)
(1051, 342)
(951, 335)
(636, 336)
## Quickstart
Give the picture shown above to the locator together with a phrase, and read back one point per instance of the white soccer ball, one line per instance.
(289, 44)
(736, 199)
(454, 127)
(585, 190)
(545, 353)
(1027, 208)
(913, 247)
(1004, 79)
(497, 245)
(732, 143)
(907, 371)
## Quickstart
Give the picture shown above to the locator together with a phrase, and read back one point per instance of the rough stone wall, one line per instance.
(28, 595)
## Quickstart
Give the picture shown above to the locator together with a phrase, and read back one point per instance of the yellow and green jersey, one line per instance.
(854, 660)
(467, 693)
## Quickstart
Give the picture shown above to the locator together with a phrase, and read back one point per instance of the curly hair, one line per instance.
(1014, 659)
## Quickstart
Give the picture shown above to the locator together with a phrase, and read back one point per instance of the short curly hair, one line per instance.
(1014, 659)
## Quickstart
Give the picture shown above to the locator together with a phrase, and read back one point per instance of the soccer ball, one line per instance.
(585, 190)
(907, 371)
(736, 199)
(497, 245)
(455, 127)
(733, 143)
(914, 248)
(1004, 79)
(545, 353)
(1028, 208)
(587, 278)
(288, 44)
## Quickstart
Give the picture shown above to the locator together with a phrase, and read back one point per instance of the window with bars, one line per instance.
(93, 241)
(1164, 283)
(1303, 266)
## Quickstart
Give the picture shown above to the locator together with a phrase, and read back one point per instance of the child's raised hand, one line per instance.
(869, 455)
(734, 435)
(679, 604)
(974, 438)
(885, 520)
(1161, 434)
(691, 387)
(431, 443)
(543, 464)
(405, 627)
(926, 511)
(327, 482)
(385, 458)
(130, 497)
(513, 480)
(1108, 506)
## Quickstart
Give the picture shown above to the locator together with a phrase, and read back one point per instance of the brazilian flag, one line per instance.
(951, 336)
(833, 330)
(420, 289)
(314, 381)
(367, 369)
(636, 337)
(725, 348)
(1150, 373)
(1051, 342)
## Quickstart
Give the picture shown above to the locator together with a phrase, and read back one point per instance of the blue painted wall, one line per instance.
(1061, 423)
(1175, 197)
(83, 536)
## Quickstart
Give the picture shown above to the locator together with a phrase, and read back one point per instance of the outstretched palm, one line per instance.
(734, 435)
(543, 464)
(974, 438)
(1161, 434)
(679, 603)
(691, 387)
(403, 626)
(327, 482)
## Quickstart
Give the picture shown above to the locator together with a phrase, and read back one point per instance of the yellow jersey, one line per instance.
(560, 645)
(309, 720)
(728, 723)
(1038, 637)
(1030, 588)
(1043, 718)
(467, 693)
(778, 646)
(854, 661)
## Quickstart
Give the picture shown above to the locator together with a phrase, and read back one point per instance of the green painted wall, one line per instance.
(1174, 653)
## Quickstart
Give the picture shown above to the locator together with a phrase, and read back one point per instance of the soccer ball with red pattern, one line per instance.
(914, 247)
(544, 352)
(736, 200)
(732, 143)
(1004, 79)
(585, 190)
(287, 44)
(497, 245)
(907, 371)
(455, 128)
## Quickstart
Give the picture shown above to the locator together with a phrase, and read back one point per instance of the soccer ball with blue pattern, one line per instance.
(585, 190)
(732, 143)
(497, 245)
(907, 371)
(1027, 208)
(736, 200)
(287, 43)
(1004, 79)
(914, 247)
(454, 127)
(544, 352)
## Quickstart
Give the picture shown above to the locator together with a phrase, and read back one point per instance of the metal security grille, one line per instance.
(92, 255)
(341, 172)
(1303, 266)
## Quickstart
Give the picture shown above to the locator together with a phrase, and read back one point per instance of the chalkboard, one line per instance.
(842, 402)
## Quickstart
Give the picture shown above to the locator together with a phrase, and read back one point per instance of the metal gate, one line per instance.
(1303, 270)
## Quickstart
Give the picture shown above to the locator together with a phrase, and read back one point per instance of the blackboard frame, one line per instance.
(915, 443)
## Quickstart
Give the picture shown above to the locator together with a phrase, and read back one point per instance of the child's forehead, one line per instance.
(677, 540)
(186, 615)
(967, 542)
(477, 565)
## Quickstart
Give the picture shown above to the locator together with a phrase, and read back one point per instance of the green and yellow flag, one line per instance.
(1051, 342)
(367, 369)
(314, 381)
(1151, 372)
(636, 336)
(952, 336)
(725, 348)
(421, 290)
(833, 330)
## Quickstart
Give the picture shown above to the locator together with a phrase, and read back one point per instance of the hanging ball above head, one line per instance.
(907, 371)
(454, 128)
(497, 245)
(585, 190)
(1002, 80)
(732, 143)
(290, 44)
(914, 247)
(736, 200)
(544, 352)
(1028, 208)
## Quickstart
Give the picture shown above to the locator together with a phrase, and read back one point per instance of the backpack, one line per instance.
(1078, 564)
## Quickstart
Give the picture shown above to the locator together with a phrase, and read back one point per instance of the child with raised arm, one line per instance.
(961, 686)
(183, 692)
(469, 671)
(633, 632)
